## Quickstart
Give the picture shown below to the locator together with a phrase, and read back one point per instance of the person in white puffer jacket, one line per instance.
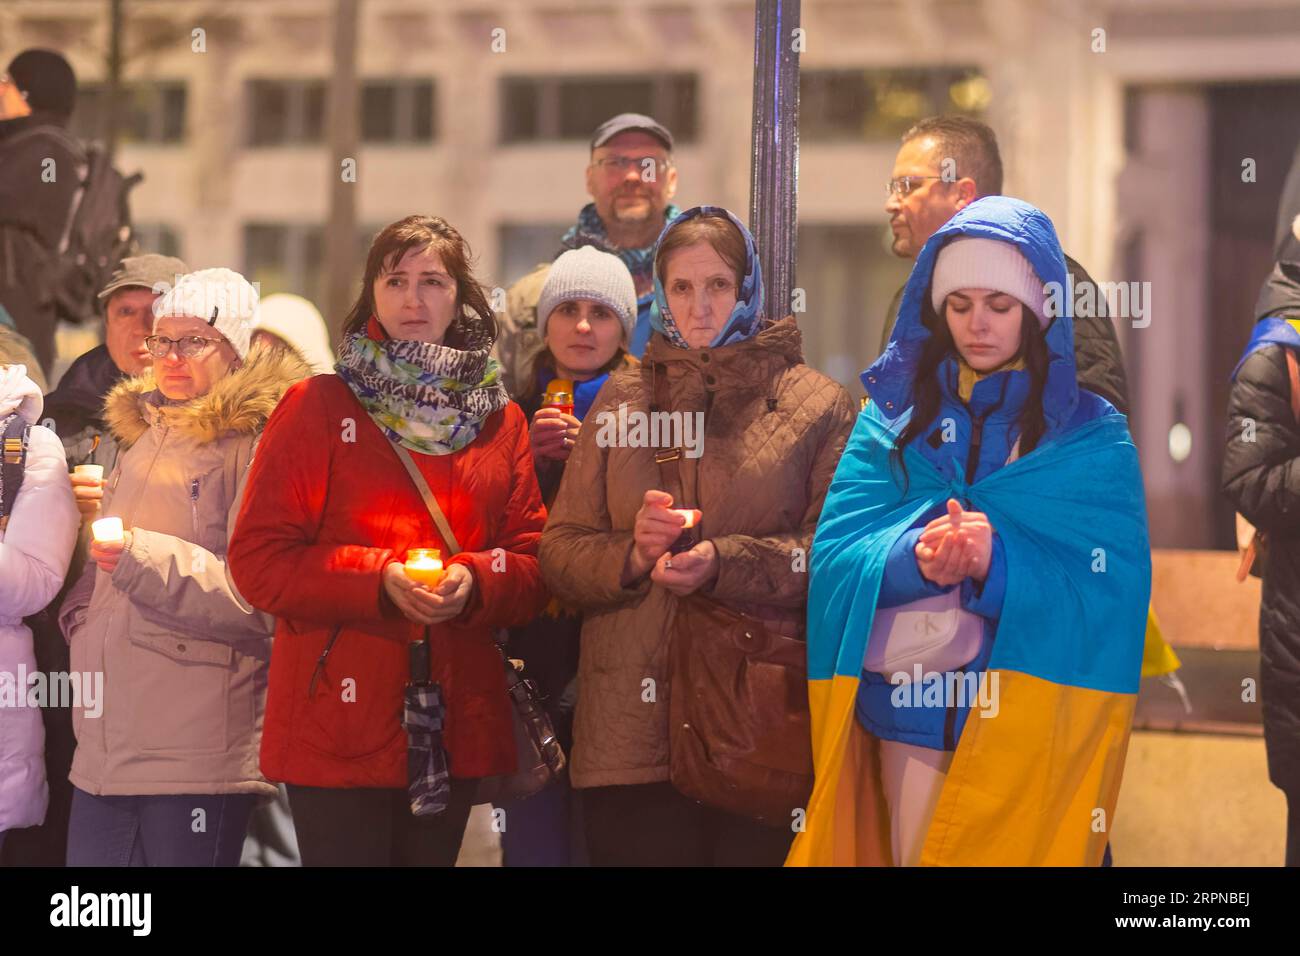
(35, 547)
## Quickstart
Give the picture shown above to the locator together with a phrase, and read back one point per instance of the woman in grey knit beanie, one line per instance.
(585, 314)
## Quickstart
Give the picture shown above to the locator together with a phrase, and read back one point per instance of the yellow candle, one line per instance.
(89, 471)
(424, 566)
(108, 530)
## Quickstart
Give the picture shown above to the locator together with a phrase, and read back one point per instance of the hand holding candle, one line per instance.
(424, 566)
(655, 529)
(110, 539)
(423, 604)
(553, 433)
(88, 487)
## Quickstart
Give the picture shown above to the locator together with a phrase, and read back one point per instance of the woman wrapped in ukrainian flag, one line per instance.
(980, 577)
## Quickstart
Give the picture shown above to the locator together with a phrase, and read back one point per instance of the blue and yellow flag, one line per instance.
(1035, 781)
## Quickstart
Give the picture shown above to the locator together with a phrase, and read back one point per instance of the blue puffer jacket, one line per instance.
(990, 423)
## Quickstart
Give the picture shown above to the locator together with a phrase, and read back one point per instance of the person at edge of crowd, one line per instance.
(290, 321)
(587, 312)
(968, 493)
(77, 404)
(921, 200)
(284, 321)
(330, 515)
(38, 532)
(632, 180)
(1260, 478)
(76, 408)
(38, 91)
(773, 433)
(184, 657)
(19, 350)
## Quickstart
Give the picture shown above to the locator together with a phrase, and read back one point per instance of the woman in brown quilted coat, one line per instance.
(761, 434)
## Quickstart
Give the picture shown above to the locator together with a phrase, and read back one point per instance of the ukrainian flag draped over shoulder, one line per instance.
(1036, 781)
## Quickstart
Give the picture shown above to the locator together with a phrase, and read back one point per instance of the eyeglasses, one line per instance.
(902, 186)
(187, 346)
(619, 165)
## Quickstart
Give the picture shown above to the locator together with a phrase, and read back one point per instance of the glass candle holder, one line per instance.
(424, 566)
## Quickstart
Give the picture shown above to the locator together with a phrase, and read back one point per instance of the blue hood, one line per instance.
(889, 380)
(746, 319)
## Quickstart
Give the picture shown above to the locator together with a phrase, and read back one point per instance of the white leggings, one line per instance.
(912, 777)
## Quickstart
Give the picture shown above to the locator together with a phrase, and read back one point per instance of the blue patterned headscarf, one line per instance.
(746, 319)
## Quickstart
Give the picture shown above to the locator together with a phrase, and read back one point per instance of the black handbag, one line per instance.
(539, 754)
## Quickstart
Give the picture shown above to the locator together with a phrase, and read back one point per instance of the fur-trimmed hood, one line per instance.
(238, 404)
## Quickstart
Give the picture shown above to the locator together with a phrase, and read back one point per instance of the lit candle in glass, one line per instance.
(108, 531)
(691, 516)
(559, 394)
(424, 566)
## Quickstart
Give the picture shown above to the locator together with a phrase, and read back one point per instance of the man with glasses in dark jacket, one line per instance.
(944, 165)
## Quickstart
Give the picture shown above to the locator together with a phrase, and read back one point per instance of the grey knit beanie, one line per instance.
(588, 273)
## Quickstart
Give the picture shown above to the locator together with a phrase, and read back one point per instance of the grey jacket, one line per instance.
(183, 656)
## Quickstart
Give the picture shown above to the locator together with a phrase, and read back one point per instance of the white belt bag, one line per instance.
(934, 632)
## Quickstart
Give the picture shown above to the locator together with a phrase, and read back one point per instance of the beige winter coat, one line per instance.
(184, 658)
(761, 482)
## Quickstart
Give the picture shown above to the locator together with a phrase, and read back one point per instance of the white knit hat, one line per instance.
(220, 297)
(588, 273)
(299, 323)
(975, 263)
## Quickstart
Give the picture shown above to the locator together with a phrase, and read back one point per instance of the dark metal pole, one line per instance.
(113, 86)
(774, 174)
(341, 231)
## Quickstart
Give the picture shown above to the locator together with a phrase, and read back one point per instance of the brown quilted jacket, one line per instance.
(760, 484)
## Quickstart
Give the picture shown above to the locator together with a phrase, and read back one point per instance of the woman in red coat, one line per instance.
(328, 516)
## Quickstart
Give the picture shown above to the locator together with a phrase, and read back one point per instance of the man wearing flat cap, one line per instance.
(77, 404)
(631, 180)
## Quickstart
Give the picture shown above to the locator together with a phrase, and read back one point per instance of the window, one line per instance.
(849, 278)
(867, 105)
(397, 111)
(158, 238)
(523, 246)
(286, 112)
(292, 112)
(147, 113)
(283, 257)
(571, 107)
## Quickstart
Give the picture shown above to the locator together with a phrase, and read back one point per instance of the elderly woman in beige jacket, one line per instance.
(166, 766)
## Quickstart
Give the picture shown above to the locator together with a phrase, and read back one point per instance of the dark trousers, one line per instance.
(545, 829)
(363, 826)
(163, 830)
(653, 825)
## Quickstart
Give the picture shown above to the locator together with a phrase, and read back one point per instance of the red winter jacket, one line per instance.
(327, 506)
